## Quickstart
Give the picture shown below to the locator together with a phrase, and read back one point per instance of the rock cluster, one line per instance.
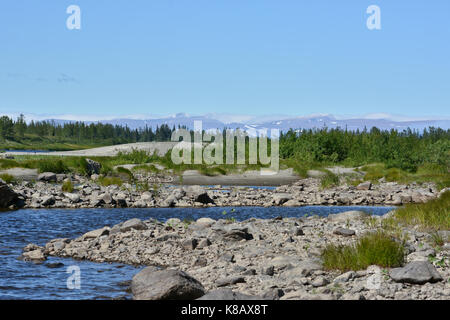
(47, 192)
(257, 258)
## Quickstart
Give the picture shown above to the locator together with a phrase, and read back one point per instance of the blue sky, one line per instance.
(229, 56)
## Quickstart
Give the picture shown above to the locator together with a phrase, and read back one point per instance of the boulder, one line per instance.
(93, 167)
(48, 200)
(47, 177)
(134, 223)
(96, 233)
(416, 272)
(7, 196)
(344, 232)
(280, 198)
(154, 284)
(205, 222)
(198, 194)
(367, 185)
(73, 197)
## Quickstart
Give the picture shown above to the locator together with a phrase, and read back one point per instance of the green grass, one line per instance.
(432, 215)
(376, 248)
(329, 180)
(439, 174)
(67, 186)
(108, 181)
(7, 177)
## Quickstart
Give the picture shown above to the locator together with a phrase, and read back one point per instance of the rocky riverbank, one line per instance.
(48, 192)
(257, 259)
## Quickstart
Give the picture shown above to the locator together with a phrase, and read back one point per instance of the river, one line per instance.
(48, 280)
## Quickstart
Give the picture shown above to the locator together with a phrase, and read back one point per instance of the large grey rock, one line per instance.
(47, 177)
(280, 198)
(233, 232)
(198, 194)
(48, 200)
(7, 196)
(154, 284)
(364, 185)
(229, 281)
(93, 167)
(344, 232)
(134, 223)
(416, 272)
(228, 294)
(97, 233)
(73, 197)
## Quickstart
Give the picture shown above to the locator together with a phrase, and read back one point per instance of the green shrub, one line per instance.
(7, 177)
(49, 165)
(67, 186)
(376, 248)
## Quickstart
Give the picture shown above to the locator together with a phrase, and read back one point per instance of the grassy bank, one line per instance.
(429, 216)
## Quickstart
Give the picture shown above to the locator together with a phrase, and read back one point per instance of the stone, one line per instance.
(319, 282)
(229, 281)
(47, 177)
(344, 232)
(154, 284)
(34, 255)
(205, 222)
(7, 196)
(189, 244)
(73, 197)
(416, 272)
(203, 243)
(268, 271)
(280, 198)
(200, 262)
(345, 277)
(48, 200)
(97, 233)
(93, 167)
(343, 217)
(228, 294)
(367, 185)
(134, 223)
(198, 194)
(302, 269)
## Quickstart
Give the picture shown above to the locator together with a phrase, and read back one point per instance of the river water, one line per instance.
(48, 280)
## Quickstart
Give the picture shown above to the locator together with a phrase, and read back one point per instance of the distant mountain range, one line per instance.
(281, 122)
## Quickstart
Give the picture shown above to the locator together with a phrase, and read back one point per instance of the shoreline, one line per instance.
(277, 258)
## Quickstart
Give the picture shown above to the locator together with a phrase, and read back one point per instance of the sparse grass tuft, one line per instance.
(376, 248)
(329, 180)
(67, 186)
(108, 181)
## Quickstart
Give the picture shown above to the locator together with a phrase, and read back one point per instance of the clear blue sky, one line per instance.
(227, 56)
